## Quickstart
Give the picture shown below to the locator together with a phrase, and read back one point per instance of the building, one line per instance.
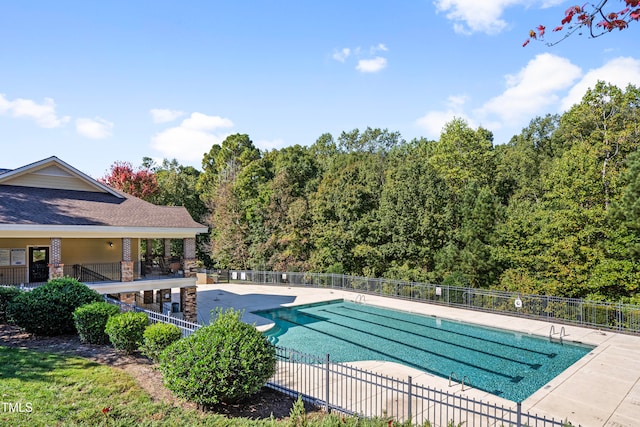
(56, 221)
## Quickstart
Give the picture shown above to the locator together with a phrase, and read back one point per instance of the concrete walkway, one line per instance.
(601, 389)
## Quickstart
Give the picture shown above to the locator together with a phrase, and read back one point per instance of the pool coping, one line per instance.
(601, 389)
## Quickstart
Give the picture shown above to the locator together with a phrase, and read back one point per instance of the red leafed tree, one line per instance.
(141, 183)
(599, 19)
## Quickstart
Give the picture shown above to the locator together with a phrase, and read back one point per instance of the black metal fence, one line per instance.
(343, 388)
(94, 272)
(616, 317)
(11, 276)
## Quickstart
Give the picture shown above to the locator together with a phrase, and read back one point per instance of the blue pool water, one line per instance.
(505, 363)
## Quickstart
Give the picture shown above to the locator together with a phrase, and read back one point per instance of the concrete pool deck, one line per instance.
(601, 389)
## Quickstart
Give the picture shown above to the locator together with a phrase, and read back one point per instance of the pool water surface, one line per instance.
(505, 363)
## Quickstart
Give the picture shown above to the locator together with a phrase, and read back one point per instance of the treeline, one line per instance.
(554, 211)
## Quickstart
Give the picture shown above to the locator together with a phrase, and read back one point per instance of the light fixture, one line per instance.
(110, 243)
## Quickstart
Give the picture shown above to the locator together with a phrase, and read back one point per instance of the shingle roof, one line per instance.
(45, 206)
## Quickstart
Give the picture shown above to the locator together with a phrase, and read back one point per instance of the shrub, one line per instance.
(126, 330)
(48, 309)
(91, 319)
(157, 337)
(7, 294)
(225, 361)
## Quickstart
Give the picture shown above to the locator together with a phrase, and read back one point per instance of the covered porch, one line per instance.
(149, 272)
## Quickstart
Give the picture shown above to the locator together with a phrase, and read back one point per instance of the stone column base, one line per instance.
(188, 301)
(56, 271)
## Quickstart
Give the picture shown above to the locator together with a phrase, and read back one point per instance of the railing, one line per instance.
(186, 327)
(11, 276)
(350, 390)
(617, 317)
(94, 272)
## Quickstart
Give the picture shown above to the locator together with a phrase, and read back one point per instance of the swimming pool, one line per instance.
(505, 363)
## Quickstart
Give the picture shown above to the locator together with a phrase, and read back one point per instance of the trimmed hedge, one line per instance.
(126, 330)
(226, 361)
(48, 309)
(7, 294)
(157, 337)
(91, 320)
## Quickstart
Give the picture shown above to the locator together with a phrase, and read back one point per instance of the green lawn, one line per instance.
(51, 390)
(44, 389)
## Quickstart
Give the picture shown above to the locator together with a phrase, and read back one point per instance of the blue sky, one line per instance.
(98, 82)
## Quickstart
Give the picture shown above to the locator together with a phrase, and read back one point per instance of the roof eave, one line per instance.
(96, 231)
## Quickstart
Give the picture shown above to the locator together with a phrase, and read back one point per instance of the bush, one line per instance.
(157, 337)
(126, 330)
(223, 362)
(91, 319)
(7, 294)
(48, 309)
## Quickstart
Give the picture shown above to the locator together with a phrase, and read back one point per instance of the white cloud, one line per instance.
(43, 114)
(371, 65)
(380, 48)
(619, 72)
(162, 115)
(192, 138)
(202, 122)
(546, 84)
(484, 16)
(97, 128)
(342, 54)
(533, 90)
(364, 65)
(433, 121)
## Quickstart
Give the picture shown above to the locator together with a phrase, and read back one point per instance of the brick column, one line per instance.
(128, 297)
(188, 301)
(189, 257)
(126, 265)
(56, 267)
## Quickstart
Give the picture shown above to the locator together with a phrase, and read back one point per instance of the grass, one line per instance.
(45, 389)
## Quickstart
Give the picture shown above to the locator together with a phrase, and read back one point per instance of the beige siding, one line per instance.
(52, 177)
(80, 251)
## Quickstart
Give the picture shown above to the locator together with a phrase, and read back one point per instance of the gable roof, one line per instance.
(53, 173)
(81, 207)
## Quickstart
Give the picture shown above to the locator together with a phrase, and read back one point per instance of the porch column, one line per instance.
(167, 251)
(149, 250)
(128, 297)
(126, 265)
(188, 301)
(56, 267)
(189, 257)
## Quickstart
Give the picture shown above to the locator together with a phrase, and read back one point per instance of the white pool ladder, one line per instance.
(561, 333)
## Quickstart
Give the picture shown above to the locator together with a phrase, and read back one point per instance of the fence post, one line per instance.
(519, 415)
(409, 394)
(326, 385)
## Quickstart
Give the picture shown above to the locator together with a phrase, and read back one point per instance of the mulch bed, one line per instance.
(262, 405)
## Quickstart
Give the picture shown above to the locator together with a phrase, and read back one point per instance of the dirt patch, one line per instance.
(262, 405)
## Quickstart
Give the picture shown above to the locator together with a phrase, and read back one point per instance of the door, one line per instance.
(38, 264)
